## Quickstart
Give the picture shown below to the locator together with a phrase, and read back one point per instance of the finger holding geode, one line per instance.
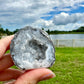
(32, 48)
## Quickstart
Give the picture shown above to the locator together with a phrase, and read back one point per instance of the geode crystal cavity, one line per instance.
(32, 48)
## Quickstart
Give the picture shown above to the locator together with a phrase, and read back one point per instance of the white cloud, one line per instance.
(65, 18)
(51, 26)
(81, 5)
(28, 12)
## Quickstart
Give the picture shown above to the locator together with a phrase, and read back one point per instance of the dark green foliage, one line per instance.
(57, 32)
(15, 31)
(7, 32)
(48, 31)
(1, 29)
(81, 29)
(42, 28)
(78, 31)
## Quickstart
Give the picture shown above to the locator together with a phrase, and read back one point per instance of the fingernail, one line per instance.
(48, 76)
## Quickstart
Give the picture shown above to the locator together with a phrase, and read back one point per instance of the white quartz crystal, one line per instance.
(32, 48)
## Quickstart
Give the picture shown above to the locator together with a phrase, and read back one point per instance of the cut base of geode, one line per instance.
(32, 48)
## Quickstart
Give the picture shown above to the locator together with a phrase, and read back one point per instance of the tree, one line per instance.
(2, 30)
(42, 28)
(15, 31)
(80, 29)
(8, 32)
(48, 31)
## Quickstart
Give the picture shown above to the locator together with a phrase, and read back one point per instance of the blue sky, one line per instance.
(49, 14)
(55, 12)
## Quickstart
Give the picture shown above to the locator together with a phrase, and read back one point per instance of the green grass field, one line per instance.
(69, 67)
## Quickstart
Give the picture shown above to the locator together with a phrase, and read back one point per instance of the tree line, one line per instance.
(7, 32)
(79, 30)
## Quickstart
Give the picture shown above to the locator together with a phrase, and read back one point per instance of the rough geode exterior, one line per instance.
(32, 48)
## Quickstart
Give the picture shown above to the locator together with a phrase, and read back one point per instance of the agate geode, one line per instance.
(32, 48)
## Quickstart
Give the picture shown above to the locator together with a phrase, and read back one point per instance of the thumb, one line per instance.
(34, 76)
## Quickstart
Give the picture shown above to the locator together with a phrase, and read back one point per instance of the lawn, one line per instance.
(69, 67)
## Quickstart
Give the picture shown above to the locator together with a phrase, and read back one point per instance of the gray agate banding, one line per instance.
(32, 48)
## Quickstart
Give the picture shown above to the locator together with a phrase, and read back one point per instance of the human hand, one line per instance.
(28, 77)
